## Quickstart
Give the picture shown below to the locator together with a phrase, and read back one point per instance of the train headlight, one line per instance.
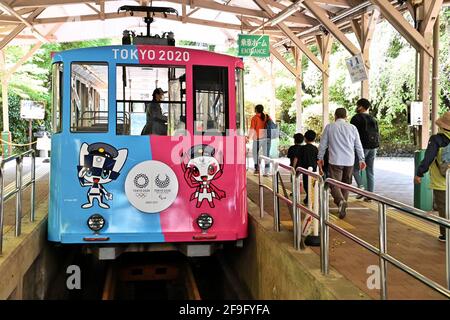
(205, 221)
(96, 222)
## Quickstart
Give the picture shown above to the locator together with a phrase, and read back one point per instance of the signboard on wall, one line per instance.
(357, 68)
(32, 110)
(250, 45)
(416, 113)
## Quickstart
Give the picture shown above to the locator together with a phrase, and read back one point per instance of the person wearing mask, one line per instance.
(369, 134)
(342, 140)
(156, 121)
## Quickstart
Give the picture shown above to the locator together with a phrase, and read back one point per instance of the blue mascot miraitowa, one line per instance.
(100, 163)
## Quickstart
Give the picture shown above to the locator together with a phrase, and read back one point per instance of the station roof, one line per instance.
(31, 21)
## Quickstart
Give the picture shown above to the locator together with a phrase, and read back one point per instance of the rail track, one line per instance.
(158, 280)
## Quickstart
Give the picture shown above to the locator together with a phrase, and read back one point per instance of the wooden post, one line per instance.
(325, 43)
(273, 98)
(435, 79)
(424, 96)
(298, 89)
(4, 92)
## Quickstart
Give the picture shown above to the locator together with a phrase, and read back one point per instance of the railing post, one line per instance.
(324, 229)
(276, 204)
(1, 207)
(383, 248)
(261, 190)
(33, 185)
(18, 195)
(447, 230)
(295, 210)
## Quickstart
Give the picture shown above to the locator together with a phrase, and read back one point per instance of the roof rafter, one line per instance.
(299, 43)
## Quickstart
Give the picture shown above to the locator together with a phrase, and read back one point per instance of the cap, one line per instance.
(159, 91)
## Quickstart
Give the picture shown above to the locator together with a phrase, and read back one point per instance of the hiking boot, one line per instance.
(342, 209)
(256, 172)
(441, 238)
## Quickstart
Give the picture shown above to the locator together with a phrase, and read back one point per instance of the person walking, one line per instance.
(369, 134)
(342, 140)
(308, 158)
(294, 150)
(434, 160)
(258, 134)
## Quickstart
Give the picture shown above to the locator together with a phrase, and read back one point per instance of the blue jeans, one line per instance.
(263, 144)
(369, 155)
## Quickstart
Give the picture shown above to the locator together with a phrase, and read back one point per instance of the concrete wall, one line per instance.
(29, 263)
(270, 268)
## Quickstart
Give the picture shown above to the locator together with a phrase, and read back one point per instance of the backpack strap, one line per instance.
(446, 142)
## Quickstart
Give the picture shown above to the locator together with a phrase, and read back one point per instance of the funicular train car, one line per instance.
(114, 184)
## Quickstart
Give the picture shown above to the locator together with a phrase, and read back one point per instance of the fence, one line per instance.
(19, 187)
(325, 224)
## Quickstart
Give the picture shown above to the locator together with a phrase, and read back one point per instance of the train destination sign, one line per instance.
(253, 45)
(143, 54)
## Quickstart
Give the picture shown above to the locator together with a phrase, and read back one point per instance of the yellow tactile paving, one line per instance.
(403, 218)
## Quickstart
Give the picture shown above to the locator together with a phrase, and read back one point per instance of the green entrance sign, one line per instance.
(253, 45)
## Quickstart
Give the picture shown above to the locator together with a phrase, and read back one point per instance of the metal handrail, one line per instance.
(295, 175)
(17, 191)
(325, 224)
(384, 257)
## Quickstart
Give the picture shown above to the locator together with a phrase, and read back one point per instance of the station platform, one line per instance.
(412, 241)
(267, 263)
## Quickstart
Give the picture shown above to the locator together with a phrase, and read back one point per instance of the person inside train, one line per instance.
(156, 121)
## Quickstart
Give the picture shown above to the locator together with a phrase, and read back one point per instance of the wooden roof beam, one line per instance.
(17, 30)
(279, 17)
(427, 24)
(29, 24)
(396, 19)
(283, 61)
(331, 27)
(299, 43)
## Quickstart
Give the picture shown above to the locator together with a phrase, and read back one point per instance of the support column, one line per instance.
(424, 96)
(298, 90)
(325, 43)
(272, 107)
(6, 135)
(435, 78)
(4, 92)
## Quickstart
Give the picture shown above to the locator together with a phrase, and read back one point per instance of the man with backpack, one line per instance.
(437, 159)
(370, 139)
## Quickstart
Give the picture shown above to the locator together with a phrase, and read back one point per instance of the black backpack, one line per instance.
(371, 138)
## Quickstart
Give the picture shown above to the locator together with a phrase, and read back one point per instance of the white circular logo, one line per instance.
(151, 186)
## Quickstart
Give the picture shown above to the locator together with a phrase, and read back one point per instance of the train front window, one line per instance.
(151, 100)
(57, 80)
(89, 97)
(210, 100)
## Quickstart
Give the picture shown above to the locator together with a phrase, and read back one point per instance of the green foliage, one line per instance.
(395, 47)
(32, 81)
(286, 94)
